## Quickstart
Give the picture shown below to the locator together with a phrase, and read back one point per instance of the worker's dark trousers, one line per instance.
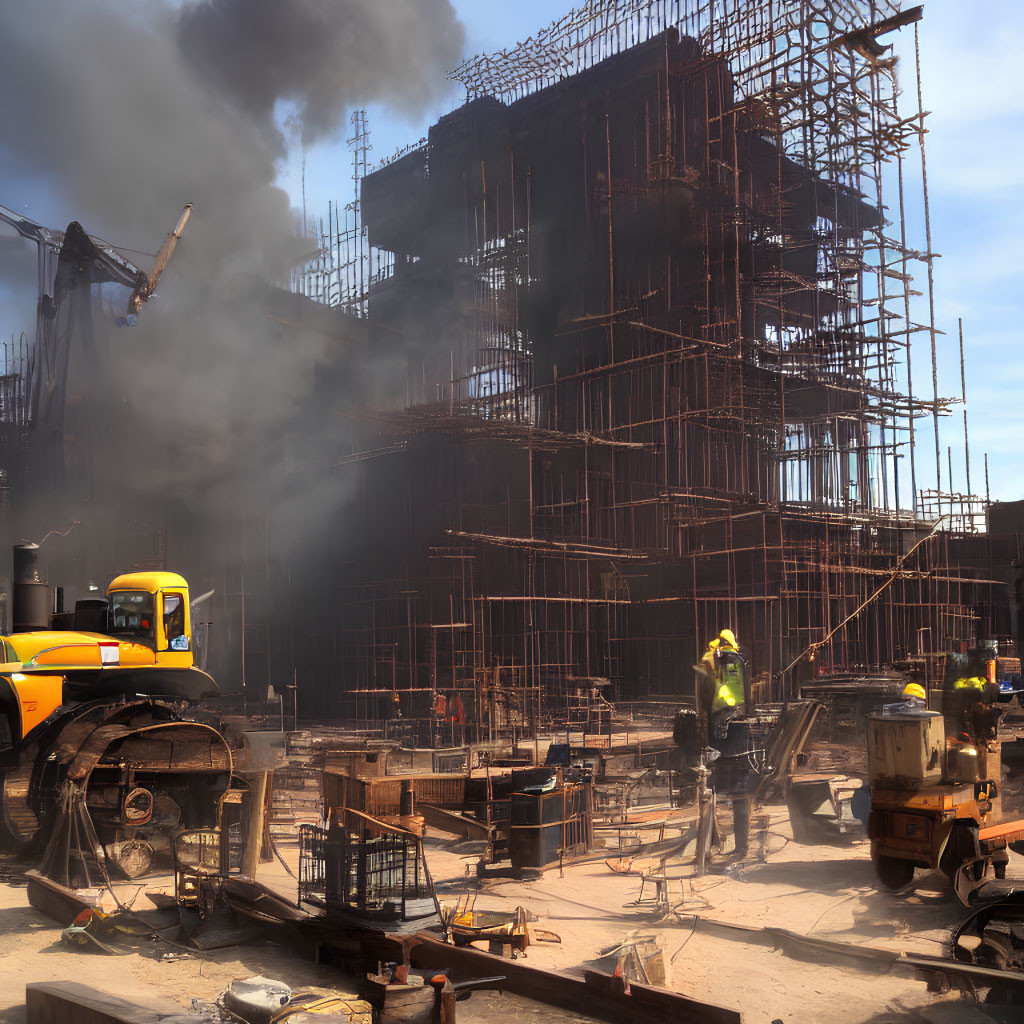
(741, 823)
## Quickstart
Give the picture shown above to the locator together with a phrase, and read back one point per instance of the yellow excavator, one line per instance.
(102, 755)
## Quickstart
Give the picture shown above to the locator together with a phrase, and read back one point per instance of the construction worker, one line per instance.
(971, 701)
(729, 674)
(723, 689)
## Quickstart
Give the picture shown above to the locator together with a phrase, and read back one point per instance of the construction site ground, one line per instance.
(823, 891)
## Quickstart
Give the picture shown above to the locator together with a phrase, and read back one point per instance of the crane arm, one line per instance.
(163, 257)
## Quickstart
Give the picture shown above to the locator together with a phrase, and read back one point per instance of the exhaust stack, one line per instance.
(32, 598)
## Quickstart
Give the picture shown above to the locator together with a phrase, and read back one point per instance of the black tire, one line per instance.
(993, 952)
(962, 847)
(893, 872)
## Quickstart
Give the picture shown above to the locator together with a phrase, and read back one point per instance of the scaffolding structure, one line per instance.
(14, 419)
(343, 266)
(654, 291)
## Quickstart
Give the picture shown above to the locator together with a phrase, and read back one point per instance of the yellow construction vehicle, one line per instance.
(935, 782)
(99, 746)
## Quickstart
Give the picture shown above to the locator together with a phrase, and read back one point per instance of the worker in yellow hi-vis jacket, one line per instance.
(722, 689)
(723, 686)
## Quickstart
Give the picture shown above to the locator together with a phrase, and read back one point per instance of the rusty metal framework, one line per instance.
(655, 295)
(343, 267)
(14, 419)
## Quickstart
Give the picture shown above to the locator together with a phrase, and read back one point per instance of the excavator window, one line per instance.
(131, 612)
(174, 622)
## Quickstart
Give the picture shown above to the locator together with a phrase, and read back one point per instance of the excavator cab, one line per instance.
(152, 609)
(137, 642)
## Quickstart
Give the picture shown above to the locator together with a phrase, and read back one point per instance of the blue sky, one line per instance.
(970, 70)
(971, 76)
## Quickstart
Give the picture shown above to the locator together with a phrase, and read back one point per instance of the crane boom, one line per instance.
(163, 257)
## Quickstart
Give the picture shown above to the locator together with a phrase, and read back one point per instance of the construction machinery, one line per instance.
(937, 795)
(102, 756)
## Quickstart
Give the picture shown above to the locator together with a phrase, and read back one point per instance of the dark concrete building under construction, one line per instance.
(653, 332)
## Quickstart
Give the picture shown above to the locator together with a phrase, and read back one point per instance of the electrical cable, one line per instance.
(693, 928)
(845, 899)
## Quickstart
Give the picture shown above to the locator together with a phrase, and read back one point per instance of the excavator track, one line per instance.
(82, 738)
(93, 767)
(18, 822)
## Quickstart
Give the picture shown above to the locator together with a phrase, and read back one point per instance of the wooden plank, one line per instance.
(450, 821)
(447, 791)
(553, 988)
(381, 796)
(598, 998)
(57, 1002)
(258, 903)
(171, 753)
(650, 1003)
(56, 901)
(374, 824)
(254, 836)
(266, 843)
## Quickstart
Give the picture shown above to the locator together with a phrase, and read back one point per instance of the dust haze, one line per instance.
(128, 110)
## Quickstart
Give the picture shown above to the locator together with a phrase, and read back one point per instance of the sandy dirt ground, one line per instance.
(828, 892)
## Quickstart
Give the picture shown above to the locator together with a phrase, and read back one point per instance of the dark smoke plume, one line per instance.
(130, 109)
(127, 109)
(312, 52)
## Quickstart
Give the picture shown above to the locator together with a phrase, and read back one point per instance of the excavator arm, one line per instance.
(143, 291)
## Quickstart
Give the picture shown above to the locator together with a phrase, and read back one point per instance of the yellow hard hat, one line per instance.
(728, 637)
(914, 690)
